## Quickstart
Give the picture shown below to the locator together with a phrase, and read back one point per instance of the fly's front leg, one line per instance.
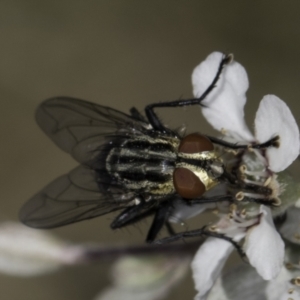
(203, 232)
(153, 118)
(273, 142)
(137, 115)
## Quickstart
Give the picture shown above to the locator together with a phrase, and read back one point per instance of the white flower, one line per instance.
(145, 277)
(264, 246)
(242, 283)
(28, 252)
(206, 271)
(223, 109)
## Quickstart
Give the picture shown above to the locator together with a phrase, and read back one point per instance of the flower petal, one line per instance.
(281, 288)
(241, 282)
(264, 246)
(182, 211)
(28, 252)
(225, 104)
(290, 229)
(273, 118)
(208, 263)
(145, 277)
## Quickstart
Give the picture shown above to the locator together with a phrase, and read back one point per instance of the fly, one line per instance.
(128, 163)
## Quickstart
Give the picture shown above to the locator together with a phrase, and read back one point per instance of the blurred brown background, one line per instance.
(121, 53)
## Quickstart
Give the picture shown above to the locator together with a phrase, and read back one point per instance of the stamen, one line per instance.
(296, 281)
(232, 207)
(254, 182)
(255, 196)
(297, 236)
(213, 228)
(267, 182)
(244, 213)
(262, 173)
(243, 168)
(239, 196)
(276, 202)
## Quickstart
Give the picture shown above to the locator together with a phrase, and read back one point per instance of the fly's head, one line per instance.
(197, 168)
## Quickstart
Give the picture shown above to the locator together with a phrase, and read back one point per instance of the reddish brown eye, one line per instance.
(195, 143)
(187, 184)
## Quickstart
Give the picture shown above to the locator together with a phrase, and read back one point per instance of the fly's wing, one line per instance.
(82, 128)
(82, 194)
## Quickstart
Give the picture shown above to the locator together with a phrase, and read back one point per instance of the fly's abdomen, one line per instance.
(144, 165)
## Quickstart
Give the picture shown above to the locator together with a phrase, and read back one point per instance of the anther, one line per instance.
(239, 196)
(276, 202)
(232, 207)
(296, 281)
(291, 291)
(267, 182)
(297, 236)
(213, 228)
(243, 168)
(229, 58)
(276, 142)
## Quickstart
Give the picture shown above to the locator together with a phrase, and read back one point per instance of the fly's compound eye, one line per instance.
(187, 184)
(195, 143)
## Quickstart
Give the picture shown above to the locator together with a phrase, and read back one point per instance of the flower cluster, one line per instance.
(263, 190)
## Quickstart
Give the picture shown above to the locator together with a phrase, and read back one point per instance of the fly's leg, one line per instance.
(160, 219)
(137, 115)
(153, 118)
(203, 232)
(132, 215)
(170, 229)
(273, 142)
(203, 200)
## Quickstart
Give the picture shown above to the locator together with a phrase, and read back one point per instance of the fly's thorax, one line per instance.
(206, 165)
(197, 166)
(144, 164)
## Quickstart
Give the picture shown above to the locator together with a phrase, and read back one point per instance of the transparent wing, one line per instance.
(82, 128)
(82, 194)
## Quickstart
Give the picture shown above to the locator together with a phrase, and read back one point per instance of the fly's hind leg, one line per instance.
(160, 219)
(132, 215)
